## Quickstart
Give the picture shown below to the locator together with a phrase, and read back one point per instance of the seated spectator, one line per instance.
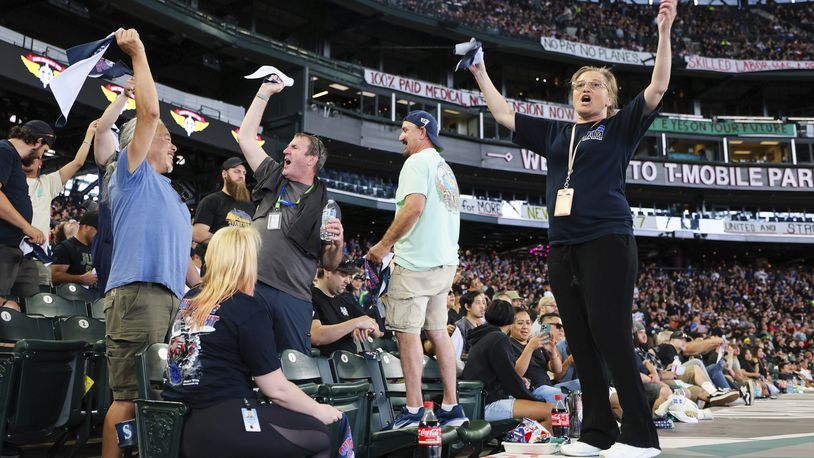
(73, 262)
(657, 392)
(750, 370)
(491, 361)
(545, 306)
(338, 319)
(65, 230)
(678, 367)
(535, 355)
(220, 341)
(474, 302)
(453, 310)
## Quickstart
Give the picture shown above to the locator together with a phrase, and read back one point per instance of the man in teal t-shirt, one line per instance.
(425, 236)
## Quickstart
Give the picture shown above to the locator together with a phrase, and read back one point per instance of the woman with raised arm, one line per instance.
(593, 260)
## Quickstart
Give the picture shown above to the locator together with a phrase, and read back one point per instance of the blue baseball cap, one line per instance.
(423, 119)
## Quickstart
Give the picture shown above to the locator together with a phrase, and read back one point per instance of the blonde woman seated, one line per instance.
(221, 339)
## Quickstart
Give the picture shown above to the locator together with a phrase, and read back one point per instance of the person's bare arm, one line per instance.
(67, 171)
(404, 221)
(104, 143)
(247, 136)
(660, 80)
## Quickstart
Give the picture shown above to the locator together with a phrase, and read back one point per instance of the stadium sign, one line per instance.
(711, 64)
(723, 128)
(482, 207)
(584, 50)
(721, 176)
(768, 228)
(464, 98)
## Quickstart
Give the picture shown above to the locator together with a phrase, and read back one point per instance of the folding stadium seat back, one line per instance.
(381, 344)
(350, 367)
(301, 368)
(75, 292)
(16, 326)
(51, 305)
(43, 390)
(150, 365)
(159, 423)
(97, 309)
(83, 328)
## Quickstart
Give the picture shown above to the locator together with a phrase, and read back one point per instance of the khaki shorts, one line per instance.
(136, 315)
(418, 300)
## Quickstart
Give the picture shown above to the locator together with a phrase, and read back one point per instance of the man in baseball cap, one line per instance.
(231, 205)
(426, 122)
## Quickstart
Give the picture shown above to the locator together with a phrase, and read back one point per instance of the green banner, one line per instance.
(723, 128)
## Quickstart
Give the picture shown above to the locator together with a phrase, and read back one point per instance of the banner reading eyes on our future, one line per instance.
(723, 128)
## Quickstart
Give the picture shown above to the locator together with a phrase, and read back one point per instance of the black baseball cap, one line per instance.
(423, 119)
(41, 129)
(680, 335)
(232, 162)
(347, 266)
(90, 219)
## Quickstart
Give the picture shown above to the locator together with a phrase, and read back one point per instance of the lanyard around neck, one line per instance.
(572, 153)
(287, 203)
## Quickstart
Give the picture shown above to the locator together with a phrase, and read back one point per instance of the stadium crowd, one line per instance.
(783, 33)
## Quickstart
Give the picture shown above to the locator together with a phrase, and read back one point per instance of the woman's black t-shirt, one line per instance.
(605, 148)
(217, 361)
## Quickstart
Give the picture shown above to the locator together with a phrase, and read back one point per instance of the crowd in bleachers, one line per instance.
(711, 31)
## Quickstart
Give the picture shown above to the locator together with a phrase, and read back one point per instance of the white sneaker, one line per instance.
(683, 417)
(620, 450)
(705, 414)
(578, 448)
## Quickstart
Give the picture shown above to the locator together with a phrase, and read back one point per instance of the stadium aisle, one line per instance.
(781, 428)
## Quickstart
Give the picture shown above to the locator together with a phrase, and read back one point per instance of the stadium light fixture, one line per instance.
(320, 94)
(770, 142)
(338, 87)
(735, 142)
(366, 94)
(452, 112)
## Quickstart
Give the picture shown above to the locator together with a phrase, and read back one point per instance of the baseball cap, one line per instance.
(232, 162)
(680, 335)
(90, 219)
(637, 326)
(347, 266)
(423, 119)
(41, 129)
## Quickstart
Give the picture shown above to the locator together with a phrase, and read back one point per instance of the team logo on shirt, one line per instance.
(184, 351)
(344, 311)
(238, 218)
(447, 187)
(596, 134)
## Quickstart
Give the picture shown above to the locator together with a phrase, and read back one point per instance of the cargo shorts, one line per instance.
(136, 315)
(418, 300)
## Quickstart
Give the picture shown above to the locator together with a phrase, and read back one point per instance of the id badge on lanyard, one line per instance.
(274, 220)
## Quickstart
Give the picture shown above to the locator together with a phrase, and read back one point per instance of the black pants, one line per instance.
(219, 431)
(593, 285)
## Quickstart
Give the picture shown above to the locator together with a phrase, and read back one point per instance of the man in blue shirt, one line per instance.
(152, 235)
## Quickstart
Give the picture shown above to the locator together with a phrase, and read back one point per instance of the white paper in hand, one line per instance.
(268, 72)
(472, 51)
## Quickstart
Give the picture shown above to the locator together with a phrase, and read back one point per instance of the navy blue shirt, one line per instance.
(16, 190)
(599, 206)
(216, 362)
(102, 246)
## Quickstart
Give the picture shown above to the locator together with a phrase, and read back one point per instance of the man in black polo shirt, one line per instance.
(73, 261)
(338, 319)
(219, 208)
(26, 143)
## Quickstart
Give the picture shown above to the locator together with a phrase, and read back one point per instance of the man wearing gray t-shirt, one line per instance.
(289, 199)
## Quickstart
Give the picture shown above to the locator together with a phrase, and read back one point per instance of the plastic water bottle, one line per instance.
(429, 434)
(328, 212)
(678, 398)
(559, 418)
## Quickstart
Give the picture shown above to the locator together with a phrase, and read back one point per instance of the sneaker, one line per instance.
(746, 394)
(722, 398)
(578, 448)
(406, 419)
(683, 417)
(620, 450)
(455, 417)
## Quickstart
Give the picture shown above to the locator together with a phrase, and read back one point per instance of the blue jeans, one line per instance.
(546, 393)
(291, 317)
(716, 374)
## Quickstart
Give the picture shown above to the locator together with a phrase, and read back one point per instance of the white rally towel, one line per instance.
(268, 72)
(472, 51)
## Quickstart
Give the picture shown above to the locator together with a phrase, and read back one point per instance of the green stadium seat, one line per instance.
(51, 305)
(159, 424)
(76, 293)
(16, 326)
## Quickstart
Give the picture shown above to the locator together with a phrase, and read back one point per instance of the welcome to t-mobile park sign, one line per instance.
(736, 177)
